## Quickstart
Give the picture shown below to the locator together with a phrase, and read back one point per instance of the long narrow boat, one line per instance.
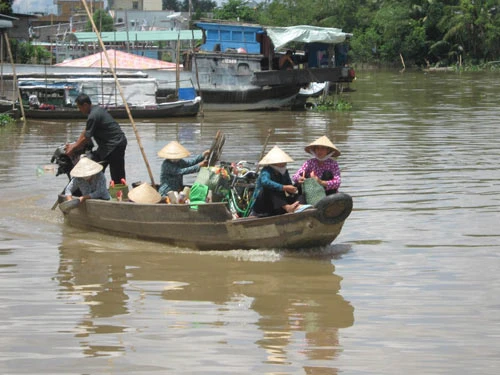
(180, 108)
(210, 226)
(55, 98)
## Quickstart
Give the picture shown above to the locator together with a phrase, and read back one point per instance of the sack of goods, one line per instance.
(217, 179)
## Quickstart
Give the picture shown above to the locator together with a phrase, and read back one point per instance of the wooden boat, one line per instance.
(8, 108)
(55, 98)
(237, 66)
(180, 108)
(210, 226)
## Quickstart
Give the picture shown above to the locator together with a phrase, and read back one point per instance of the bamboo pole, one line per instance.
(112, 68)
(177, 65)
(269, 133)
(14, 76)
(197, 75)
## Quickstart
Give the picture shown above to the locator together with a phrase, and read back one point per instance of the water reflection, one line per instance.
(294, 301)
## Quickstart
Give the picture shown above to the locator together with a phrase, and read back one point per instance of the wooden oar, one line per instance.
(57, 200)
(269, 133)
(216, 148)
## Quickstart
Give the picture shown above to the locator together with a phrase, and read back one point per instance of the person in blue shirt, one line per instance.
(176, 165)
(274, 192)
(88, 181)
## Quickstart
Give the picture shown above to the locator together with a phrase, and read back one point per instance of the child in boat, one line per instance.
(275, 193)
(88, 179)
(322, 167)
(176, 165)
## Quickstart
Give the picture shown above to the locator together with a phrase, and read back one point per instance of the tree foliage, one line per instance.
(419, 31)
(6, 7)
(27, 53)
(174, 5)
(103, 21)
(236, 10)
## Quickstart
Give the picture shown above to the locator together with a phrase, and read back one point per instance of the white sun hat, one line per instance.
(174, 150)
(144, 193)
(275, 156)
(85, 168)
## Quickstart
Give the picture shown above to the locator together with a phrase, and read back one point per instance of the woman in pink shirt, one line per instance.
(322, 167)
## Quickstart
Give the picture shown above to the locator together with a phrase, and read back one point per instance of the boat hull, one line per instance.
(173, 109)
(211, 227)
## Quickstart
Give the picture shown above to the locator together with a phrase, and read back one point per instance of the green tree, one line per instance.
(174, 5)
(102, 20)
(471, 27)
(236, 10)
(199, 6)
(6, 7)
(27, 53)
(290, 12)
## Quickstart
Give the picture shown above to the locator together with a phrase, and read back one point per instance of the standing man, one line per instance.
(111, 140)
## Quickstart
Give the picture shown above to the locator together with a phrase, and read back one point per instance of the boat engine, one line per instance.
(66, 163)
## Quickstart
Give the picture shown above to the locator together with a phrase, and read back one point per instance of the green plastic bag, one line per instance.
(313, 191)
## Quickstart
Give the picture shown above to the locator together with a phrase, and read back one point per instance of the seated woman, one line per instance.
(321, 166)
(274, 192)
(176, 165)
(89, 180)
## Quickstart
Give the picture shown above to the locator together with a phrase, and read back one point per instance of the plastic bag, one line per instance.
(313, 191)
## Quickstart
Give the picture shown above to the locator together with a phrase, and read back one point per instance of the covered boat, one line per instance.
(54, 97)
(211, 226)
(237, 66)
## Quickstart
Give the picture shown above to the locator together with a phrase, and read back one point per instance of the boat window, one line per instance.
(249, 36)
(225, 35)
(237, 36)
(244, 69)
(212, 34)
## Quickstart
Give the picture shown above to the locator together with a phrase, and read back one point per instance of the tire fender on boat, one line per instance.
(334, 208)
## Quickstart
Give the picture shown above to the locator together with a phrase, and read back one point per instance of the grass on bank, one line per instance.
(6, 119)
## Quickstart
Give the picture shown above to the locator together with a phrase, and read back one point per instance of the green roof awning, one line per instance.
(139, 36)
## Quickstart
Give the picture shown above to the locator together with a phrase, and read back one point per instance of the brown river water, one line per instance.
(410, 286)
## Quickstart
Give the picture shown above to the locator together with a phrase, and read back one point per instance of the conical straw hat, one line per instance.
(85, 168)
(323, 141)
(275, 156)
(174, 150)
(144, 193)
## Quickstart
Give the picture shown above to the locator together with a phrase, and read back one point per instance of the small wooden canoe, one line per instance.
(211, 227)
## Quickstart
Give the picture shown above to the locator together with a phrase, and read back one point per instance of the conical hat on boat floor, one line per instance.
(174, 150)
(85, 168)
(144, 193)
(323, 141)
(275, 156)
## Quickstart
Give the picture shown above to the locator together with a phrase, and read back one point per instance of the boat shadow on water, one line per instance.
(126, 277)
